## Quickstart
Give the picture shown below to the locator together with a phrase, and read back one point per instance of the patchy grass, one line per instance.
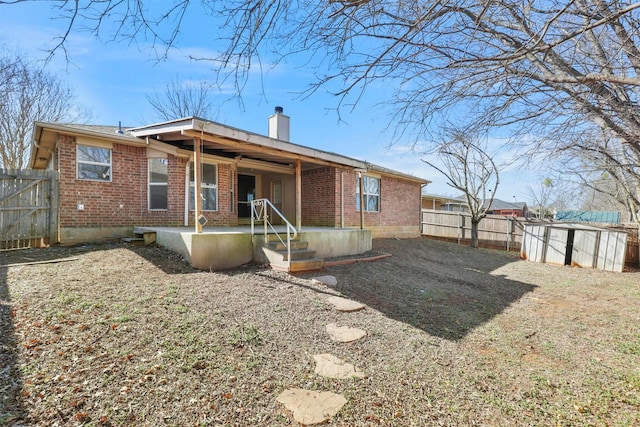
(134, 336)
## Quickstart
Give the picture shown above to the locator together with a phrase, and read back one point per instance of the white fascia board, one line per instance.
(160, 128)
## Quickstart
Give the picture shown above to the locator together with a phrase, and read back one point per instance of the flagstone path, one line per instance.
(345, 305)
(313, 407)
(330, 366)
(344, 333)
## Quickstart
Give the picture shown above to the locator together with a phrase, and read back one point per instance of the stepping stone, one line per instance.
(326, 280)
(344, 333)
(345, 305)
(311, 408)
(330, 366)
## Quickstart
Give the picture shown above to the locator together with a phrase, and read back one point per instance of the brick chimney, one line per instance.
(279, 125)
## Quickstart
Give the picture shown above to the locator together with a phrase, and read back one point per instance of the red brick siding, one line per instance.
(508, 212)
(399, 200)
(123, 201)
(321, 197)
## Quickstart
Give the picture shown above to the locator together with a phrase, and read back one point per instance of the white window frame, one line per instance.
(203, 185)
(157, 184)
(367, 195)
(88, 162)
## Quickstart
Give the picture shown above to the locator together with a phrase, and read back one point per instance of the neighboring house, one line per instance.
(112, 179)
(459, 204)
(443, 203)
(500, 207)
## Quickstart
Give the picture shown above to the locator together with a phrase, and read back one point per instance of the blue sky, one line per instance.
(113, 78)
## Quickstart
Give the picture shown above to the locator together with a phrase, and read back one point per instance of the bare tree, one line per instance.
(607, 171)
(28, 94)
(517, 60)
(470, 169)
(540, 69)
(541, 196)
(183, 99)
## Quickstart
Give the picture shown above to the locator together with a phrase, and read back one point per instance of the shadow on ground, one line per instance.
(442, 288)
(11, 408)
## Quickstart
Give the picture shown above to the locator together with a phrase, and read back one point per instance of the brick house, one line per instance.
(113, 179)
(459, 204)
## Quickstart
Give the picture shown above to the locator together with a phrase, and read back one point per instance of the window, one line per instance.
(93, 163)
(276, 192)
(371, 194)
(158, 179)
(209, 187)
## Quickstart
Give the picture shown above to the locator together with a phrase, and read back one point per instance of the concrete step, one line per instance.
(311, 264)
(149, 237)
(302, 258)
(136, 241)
(295, 244)
(272, 237)
(298, 254)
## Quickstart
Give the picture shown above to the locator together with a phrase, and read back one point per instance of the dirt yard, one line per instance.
(114, 335)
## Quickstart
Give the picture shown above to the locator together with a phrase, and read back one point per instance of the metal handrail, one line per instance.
(259, 213)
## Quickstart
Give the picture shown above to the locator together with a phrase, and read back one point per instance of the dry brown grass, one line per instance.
(133, 336)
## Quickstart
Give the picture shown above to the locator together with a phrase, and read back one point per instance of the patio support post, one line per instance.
(298, 194)
(197, 171)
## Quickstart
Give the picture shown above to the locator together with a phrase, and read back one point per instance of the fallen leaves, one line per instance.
(113, 354)
(81, 417)
(32, 343)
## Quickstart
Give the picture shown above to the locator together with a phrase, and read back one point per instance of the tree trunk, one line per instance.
(474, 233)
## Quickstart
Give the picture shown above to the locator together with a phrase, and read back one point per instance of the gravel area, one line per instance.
(112, 334)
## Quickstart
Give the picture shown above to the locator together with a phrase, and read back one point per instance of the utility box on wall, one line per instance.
(576, 245)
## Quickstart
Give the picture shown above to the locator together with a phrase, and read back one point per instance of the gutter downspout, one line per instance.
(342, 199)
(361, 200)
(186, 194)
(422, 187)
(298, 194)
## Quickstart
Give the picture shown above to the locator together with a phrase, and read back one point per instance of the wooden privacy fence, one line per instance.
(493, 231)
(28, 208)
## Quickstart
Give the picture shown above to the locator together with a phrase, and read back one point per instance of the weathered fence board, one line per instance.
(28, 208)
(505, 232)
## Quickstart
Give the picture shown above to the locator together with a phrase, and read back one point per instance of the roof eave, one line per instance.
(41, 155)
(390, 172)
